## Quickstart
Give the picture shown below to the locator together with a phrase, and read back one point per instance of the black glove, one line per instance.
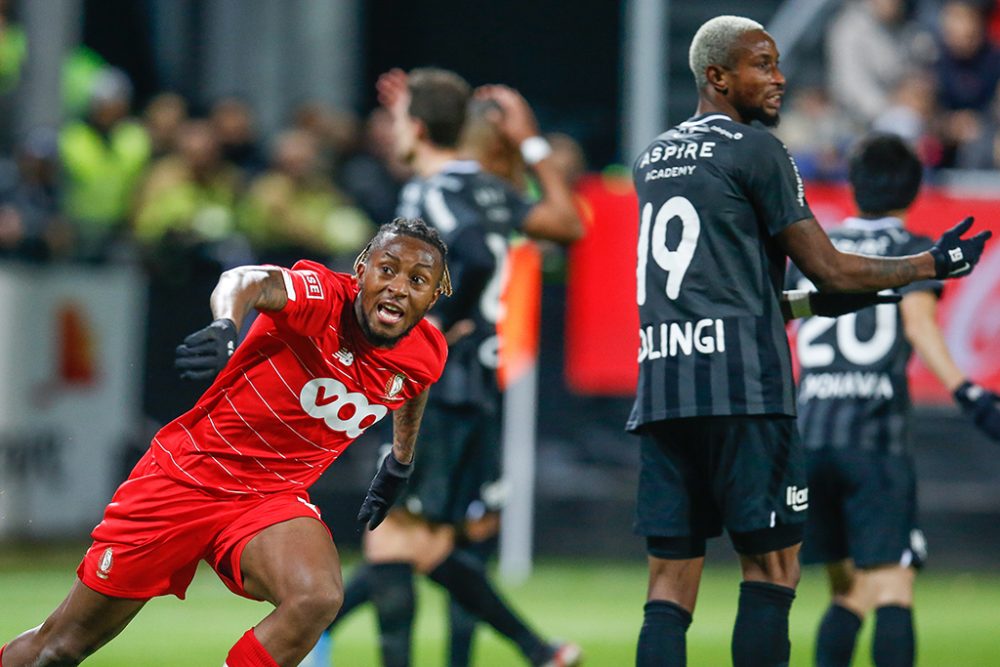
(206, 352)
(385, 487)
(982, 405)
(834, 304)
(954, 256)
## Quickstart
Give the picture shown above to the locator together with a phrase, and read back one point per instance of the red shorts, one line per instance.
(155, 530)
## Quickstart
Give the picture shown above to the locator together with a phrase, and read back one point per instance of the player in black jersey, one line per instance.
(476, 213)
(854, 411)
(721, 206)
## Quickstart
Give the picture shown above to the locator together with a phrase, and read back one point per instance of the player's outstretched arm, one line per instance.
(395, 469)
(554, 217)
(205, 352)
(831, 270)
(919, 312)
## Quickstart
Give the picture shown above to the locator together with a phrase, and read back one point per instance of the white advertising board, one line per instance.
(70, 393)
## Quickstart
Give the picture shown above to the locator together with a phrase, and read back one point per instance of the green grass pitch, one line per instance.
(597, 604)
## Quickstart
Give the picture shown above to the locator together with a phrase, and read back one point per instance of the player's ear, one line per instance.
(420, 129)
(359, 272)
(717, 78)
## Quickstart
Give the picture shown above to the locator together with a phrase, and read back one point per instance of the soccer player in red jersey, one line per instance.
(329, 355)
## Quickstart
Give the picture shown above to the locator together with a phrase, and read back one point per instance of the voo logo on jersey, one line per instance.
(342, 410)
(796, 498)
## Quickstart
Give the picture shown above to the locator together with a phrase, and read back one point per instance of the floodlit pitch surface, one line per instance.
(597, 604)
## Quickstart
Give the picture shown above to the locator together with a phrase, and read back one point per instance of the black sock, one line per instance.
(470, 588)
(662, 638)
(357, 591)
(395, 601)
(894, 644)
(463, 623)
(837, 634)
(760, 636)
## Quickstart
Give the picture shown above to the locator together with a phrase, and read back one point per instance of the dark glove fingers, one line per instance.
(202, 336)
(961, 227)
(199, 375)
(196, 363)
(377, 517)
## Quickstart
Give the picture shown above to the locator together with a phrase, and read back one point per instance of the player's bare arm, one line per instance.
(406, 425)
(246, 287)
(829, 269)
(554, 217)
(835, 271)
(205, 352)
(396, 467)
(919, 313)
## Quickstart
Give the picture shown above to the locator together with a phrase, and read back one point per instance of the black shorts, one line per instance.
(457, 463)
(864, 507)
(700, 474)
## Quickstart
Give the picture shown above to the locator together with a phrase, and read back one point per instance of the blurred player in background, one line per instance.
(476, 213)
(721, 207)
(329, 355)
(854, 409)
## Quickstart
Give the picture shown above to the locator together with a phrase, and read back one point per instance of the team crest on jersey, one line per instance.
(394, 385)
(344, 356)
(104, 565)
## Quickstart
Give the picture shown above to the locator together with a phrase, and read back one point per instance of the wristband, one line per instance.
(395, 468)
(798, 303)
(534, 150)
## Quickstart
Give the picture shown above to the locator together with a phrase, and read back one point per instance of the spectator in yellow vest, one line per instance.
(294, 210)
(103, 157)
(191, 194)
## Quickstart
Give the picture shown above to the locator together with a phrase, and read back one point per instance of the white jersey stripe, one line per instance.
(219, 463)
(289, 285)
(193, 478)
(278, 417)
(297, 357)
(253, 458)
(252, 429)
(438, 212)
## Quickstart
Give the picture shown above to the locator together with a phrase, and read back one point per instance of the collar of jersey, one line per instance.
(460, 167)
(699, 120)
(873, 225)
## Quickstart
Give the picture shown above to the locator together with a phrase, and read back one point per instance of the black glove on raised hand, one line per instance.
(954, 256)
(385, 487)
(834, 304)
(982, 405)
(206, 352)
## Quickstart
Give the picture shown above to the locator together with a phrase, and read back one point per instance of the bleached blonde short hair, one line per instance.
(713, 44)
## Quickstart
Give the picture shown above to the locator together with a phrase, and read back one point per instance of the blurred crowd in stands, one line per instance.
(184, 191)
(924, 69)
(162, 184)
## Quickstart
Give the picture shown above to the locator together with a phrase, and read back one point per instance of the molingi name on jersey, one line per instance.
(669, 339)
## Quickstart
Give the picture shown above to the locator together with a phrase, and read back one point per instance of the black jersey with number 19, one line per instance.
(713, 193)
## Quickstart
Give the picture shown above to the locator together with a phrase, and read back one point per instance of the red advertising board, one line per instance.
(602, 318)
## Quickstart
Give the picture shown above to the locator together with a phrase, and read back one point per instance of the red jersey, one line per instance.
(301, 387)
